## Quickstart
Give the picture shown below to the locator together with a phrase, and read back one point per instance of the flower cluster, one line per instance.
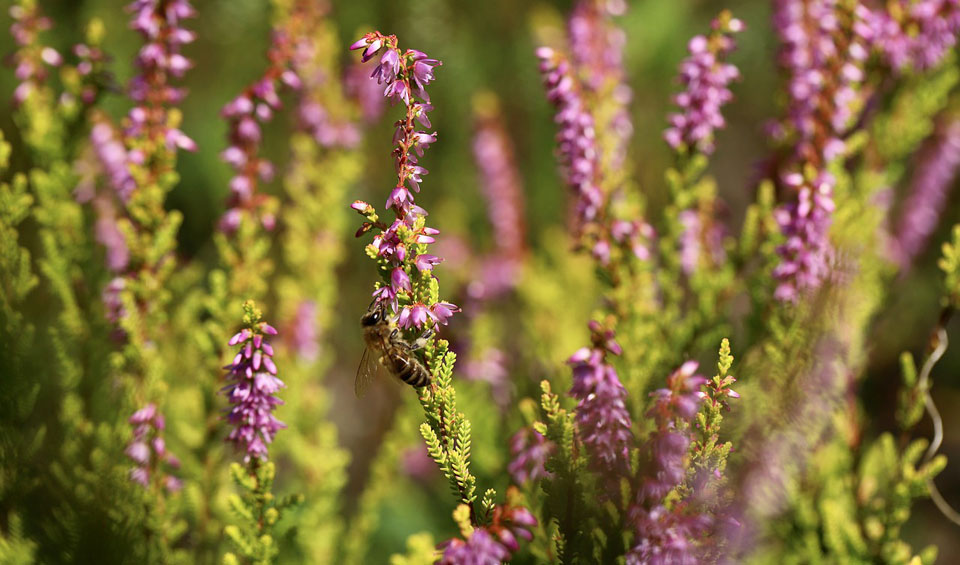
(705, 76)
(112, 155)
(31, 59)
(698, 241)
(252, 387)
(596, 48)
(148, 450)
(400, 248)
(824, 47)
(244, 115)
(576, 140)
(579, 158)
(495, 543)
(673, 409)
(602, 417)
(664, 534)
(935, 170)
(806, 255)
(159, 22)
(917, 34)
(530, 451)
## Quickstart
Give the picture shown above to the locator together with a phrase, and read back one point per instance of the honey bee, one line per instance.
(387, 349)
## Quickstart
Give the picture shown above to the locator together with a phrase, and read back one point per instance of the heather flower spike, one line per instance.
(252, 387)
(148, 451)
(400, 248)
(705, 76)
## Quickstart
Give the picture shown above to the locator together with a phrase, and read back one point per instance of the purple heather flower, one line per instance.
(245, 115)
(480, 549)
(602, 417)
(148, 451)
(530, 451)
(697, 243)
(676, 404)
(934, 173)
(113, 158)
(807, 252)
(396, 243)
(252, 390)
(824, 46)
(664, 537)
(917, 34)
(705, 77)
(578, 152)
(596, 48)
(109, 235)
(495, 543)
(159, 22)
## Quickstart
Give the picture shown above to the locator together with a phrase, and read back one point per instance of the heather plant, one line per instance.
(644, 301)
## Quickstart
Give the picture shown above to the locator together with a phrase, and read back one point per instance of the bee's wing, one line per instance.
(369, 368)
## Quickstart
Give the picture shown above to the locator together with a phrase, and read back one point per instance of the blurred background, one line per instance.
(489, 46)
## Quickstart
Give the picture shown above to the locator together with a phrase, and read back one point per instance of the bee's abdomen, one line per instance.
(410, 371)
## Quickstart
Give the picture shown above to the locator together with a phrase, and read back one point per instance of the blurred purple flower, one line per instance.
(148, 451)
(530, 451)
(916, 34)
(934, 173)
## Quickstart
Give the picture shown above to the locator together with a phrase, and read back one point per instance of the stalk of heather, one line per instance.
(252, 388)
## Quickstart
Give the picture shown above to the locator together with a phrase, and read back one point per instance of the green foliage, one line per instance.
(950, 265)
(257, 510)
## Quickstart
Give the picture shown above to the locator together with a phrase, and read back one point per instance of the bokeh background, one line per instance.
(488, 46)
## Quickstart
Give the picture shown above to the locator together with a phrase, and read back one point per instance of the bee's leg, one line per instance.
(421, 341)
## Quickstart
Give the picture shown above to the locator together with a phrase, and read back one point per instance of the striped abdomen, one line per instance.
(407, 368)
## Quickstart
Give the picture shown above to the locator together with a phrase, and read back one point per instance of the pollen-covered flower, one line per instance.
(705, 76)
(252, 387)
(149, 452)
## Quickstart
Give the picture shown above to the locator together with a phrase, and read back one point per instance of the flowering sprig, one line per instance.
(148, 451)
(602, 418)
(160, 24)
(705, 76)
(400, 248)
(252, 387)
(244, 115)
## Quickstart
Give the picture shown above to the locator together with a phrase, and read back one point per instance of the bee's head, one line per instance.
(373, 316)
